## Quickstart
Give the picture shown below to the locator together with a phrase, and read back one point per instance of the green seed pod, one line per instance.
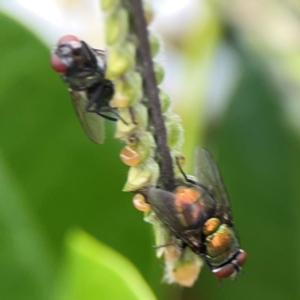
(128, 90)
(109, 4)
(137, 178)
(184, 270)
(136, 118)
(154, 44)
(116, 27)
(159, 73)
(142, 175)
(138, 152)
(145, 145)
(120, 60)
(174, 132)
(165, 101)
(148, 11)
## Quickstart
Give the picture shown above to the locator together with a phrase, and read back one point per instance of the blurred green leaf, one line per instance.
(199, 48)
(257, 155)
(53, 178)
(94, 271)
(66, 180)
(26, 262)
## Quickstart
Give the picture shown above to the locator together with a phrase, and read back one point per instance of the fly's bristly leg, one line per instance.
(183, 174)
(106, 117)
(96, 95)
(118, 116)
(204, 187)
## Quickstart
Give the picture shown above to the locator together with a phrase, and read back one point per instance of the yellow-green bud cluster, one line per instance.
(122, 69)
(134, 128)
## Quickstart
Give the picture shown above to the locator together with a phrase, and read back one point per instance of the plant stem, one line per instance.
(151, 91)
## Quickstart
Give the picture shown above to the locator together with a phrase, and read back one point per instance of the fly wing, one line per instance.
(92, 123)
(163, 203)
(209, 175)
(101, 56)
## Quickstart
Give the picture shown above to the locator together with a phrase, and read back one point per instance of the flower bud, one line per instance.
(154, 44)
(120, 60)
(136, 118)
(128, 90)
(116, 26)
(165, 101)
(140, 203)
(109, 4)
(174, 131)
(141, 176)
(159, 73)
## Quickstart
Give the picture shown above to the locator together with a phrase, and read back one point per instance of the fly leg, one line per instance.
(99, 98)
(132, 116)
(101, 106)
(206, 188)
(96, 95)
(175, 243)
(106, 117)
(110, 110)
(113, 111)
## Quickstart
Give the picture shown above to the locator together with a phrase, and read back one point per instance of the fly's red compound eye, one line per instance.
(224, 271)
(241, 257)
(57, 64)
(231, 267)
(67, 38)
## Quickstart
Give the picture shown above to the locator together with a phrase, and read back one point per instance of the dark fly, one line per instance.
(83, 69)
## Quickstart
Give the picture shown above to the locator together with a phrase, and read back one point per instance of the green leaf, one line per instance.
(26, 261)
(95, 271)
(63, 178)
(259, 160)
(199, 49)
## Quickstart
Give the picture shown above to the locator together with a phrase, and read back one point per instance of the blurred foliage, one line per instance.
(258, 157)
(93, 271)
(198, 47)
(53, 178)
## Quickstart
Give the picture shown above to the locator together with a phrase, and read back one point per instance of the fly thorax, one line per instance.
(220, 241)
(189, 205)
(211, 226)
(82, 81)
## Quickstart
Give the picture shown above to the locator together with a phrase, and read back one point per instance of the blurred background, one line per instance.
(233, 70)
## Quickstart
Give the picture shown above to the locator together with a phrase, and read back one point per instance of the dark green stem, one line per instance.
(151, 91)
